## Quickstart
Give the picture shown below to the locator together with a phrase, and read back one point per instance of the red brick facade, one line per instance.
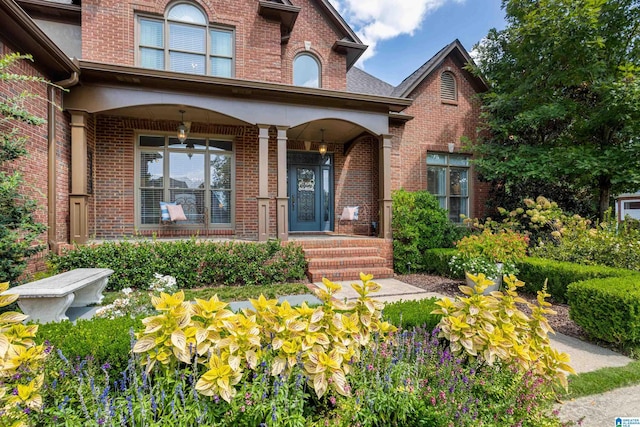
(263, 77)
(109, 36)
(436, 123)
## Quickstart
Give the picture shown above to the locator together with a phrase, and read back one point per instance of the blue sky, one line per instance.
(404, 34)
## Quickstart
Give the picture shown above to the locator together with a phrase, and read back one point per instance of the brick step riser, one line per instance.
(339, 244)
(339, 275)
(333, 263)
(337, 253)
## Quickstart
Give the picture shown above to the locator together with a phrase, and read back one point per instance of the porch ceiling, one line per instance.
(336, 131)
(172, 113)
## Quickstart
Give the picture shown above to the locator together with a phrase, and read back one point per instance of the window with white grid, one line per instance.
(185, 42)
(448, 180)
(197, 174)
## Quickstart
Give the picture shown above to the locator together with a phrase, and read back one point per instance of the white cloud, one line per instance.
(378, 20)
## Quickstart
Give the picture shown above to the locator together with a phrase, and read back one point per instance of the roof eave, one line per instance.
(18, 28)
(117, 74)
(455, 46)
(351, 49)
(284, 13)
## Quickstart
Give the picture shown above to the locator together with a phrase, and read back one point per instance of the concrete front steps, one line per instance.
(344, 258)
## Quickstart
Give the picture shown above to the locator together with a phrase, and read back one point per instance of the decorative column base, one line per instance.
(79, 218)
(263, 219)
(283, 218)
(385, 219)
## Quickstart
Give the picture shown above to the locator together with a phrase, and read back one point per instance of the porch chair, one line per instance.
(352, 214)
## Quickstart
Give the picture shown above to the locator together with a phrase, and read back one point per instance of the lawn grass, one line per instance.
(603, 380)
(233, 293)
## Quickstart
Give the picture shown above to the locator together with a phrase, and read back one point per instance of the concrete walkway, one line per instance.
(594, 411)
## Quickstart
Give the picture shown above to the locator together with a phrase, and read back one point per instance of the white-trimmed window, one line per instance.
(306, 71)
(185, 42)
(198, 174)
(448, 180)
(448, 87)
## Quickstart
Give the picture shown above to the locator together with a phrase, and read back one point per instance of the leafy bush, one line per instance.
(327, 339)
(438, 261)
(105, 340)
(193, 264)
(535, 271)
(21, 364)
(492, 328)
(605, 244)
(409, 314)
(20, 232)
(608, 309)
(419, 223)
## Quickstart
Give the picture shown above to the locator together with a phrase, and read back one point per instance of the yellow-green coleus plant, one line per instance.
(324, 340)
(18, 353)
(492, 327)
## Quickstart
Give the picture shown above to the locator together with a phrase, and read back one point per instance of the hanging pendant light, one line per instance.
(322, 149)
(182, 129)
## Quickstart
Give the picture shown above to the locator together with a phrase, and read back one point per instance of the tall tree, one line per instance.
(19, 230)
(564, 104)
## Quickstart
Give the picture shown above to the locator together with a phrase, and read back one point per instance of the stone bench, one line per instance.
(47, 300)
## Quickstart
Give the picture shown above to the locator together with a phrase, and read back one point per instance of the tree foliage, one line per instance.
(564, 104)
(19, 230)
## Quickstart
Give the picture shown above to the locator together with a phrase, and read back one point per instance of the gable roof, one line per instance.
(359, 81)
(454, 49)
(349, 43)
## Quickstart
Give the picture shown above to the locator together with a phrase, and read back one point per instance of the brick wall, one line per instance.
(108, 35)
(435, 124)
(34, 166)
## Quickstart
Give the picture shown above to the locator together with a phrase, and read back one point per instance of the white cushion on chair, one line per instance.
(350, 213)
(176, 213)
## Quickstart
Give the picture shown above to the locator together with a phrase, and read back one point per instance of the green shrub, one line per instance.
(409, 314)
(608, 309)
(437, 261)
(106, 340)
(534, 272)
(193, 264)
(419, 223)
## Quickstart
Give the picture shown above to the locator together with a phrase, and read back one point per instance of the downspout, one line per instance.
(52, 193)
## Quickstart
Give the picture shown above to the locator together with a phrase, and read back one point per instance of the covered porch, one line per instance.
(251, 166)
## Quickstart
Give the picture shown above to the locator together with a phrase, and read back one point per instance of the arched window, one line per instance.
(306, 71)
(191, 45)
(448, 88)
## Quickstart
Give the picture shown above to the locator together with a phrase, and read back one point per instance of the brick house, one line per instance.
(250, 115)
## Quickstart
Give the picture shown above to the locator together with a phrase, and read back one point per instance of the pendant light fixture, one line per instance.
(322, 149)
(182, 129)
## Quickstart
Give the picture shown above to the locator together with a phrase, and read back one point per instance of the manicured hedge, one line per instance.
(559, 274)
(608, 309)
(408, 314)
(193, 264)
(437, 261)
(106, 340)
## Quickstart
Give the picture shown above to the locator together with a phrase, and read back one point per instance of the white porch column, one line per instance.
(263, 182)
(385, 186)
(282, 212)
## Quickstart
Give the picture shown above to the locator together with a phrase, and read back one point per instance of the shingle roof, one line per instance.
(360, 81)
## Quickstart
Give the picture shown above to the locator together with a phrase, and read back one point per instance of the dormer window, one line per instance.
(185, 42)
(448, 87)
(306, 71)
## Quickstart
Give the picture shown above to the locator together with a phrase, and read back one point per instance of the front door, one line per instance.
(310, 192)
